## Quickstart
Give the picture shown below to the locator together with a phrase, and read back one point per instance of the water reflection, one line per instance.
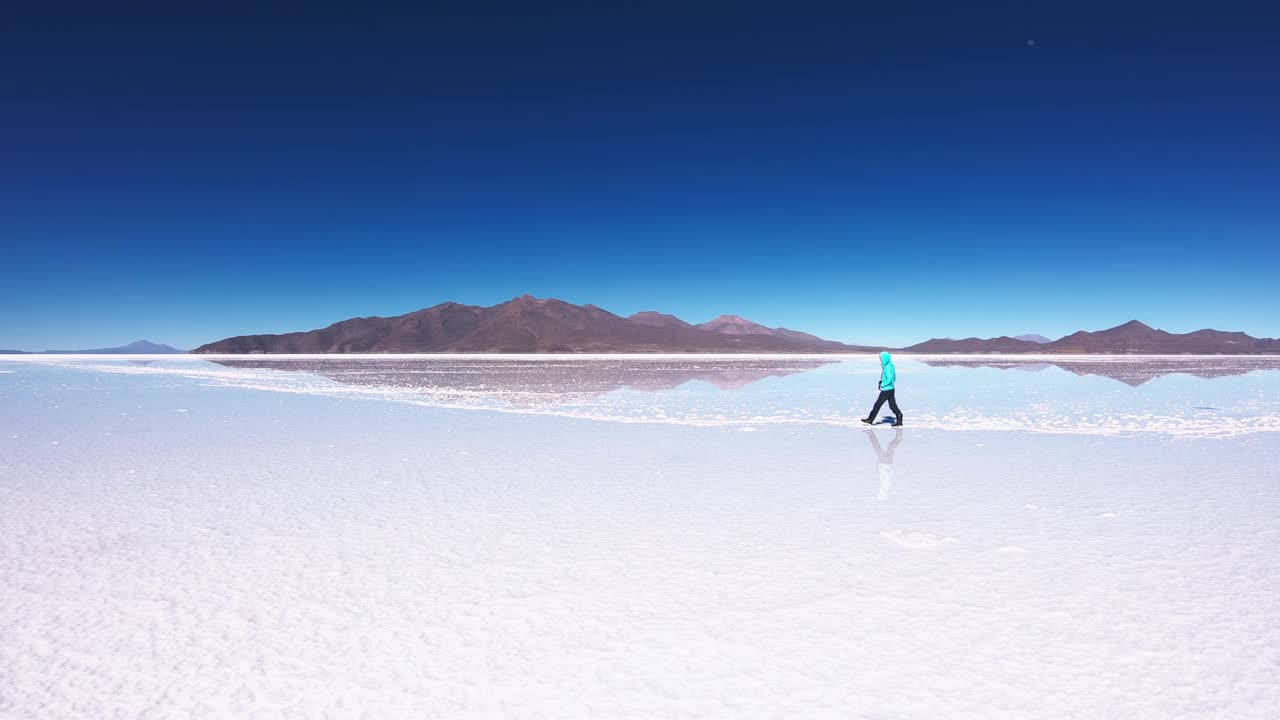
(884, 460)
(1130, 371)
(538, 381)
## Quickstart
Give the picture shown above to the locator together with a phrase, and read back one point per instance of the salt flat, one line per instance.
(638, 537)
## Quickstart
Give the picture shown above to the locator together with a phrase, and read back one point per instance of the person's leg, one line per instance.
(893, 405)
(884, 395)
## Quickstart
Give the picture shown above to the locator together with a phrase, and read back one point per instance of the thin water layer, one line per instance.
(1179, 396)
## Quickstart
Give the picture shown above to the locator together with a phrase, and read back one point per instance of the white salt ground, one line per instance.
(284, 554)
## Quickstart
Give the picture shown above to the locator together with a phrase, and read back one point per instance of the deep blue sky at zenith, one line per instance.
(868, 174)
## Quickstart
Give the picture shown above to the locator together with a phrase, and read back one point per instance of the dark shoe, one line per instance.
(869, 421)
(897, 422)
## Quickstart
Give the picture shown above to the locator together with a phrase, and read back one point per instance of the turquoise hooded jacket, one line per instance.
(888, 376)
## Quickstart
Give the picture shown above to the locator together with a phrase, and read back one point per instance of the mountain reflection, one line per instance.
(537, 381)
(1132, 371)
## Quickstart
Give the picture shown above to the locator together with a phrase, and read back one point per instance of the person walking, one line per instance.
(888, 379)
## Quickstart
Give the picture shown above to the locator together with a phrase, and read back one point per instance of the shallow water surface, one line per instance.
(1178, 396)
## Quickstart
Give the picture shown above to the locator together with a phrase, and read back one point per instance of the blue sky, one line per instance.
(873, 176)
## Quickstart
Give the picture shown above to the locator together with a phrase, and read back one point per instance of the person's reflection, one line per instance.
(884, 460)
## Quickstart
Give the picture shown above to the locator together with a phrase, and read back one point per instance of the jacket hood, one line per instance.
(884, 358)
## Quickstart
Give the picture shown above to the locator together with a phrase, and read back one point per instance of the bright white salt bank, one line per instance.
(565, 538)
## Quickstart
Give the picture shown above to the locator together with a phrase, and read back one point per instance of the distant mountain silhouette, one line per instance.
(525, 325)
(1136, 338)
(1032, 338)
(138, 347)
(1003, 344)
(1131, 338)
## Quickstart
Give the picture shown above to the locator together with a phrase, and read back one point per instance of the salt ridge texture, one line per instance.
(178, 546)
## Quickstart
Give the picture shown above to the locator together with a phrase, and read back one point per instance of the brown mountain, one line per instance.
(1002, 344)
(1131, 338)
(525, 324)
(1134, 337)
(734, 325)
(657, 319)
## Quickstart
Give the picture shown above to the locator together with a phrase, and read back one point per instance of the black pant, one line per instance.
(893, 405)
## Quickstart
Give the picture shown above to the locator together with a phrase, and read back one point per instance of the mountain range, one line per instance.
(1131, 338)
(531, 325)
(138, 347)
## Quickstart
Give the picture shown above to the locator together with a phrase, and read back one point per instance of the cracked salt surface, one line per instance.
(307, 544)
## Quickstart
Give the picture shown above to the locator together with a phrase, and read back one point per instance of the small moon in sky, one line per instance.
(1031, 43)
